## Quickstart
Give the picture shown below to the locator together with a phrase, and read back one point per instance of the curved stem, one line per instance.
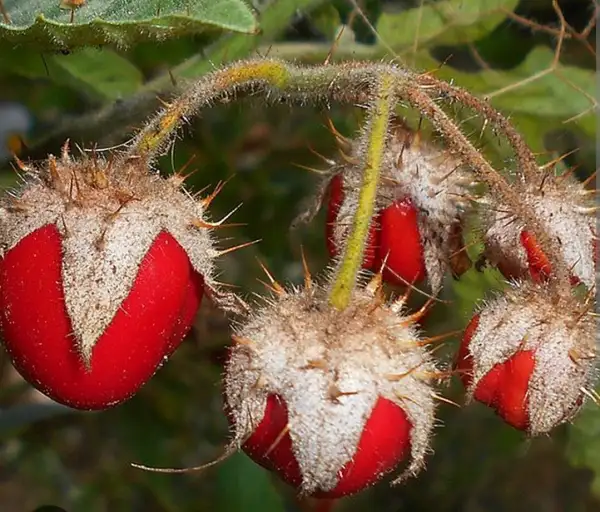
(111, 124)
(374, 142)
(527, 164)
(459, 143)
(277, 80)
(353, 82)
(161, 128)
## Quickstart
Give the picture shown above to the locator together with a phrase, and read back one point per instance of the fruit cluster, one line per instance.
(531, 354)
(104, 263)
(528, 354)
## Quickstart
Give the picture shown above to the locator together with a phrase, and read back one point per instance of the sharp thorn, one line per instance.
(589, 179)
(415, 317)
(341, 139)
(311, 169)
(65, 151)
(336, 393)
(444, 399)
(401, 301)
(316, 364)
(235, 248)
(558, 159)
(241, 340)
(328, 161)
(276, 286)
(348, 159)
(210, 198)
(21, 165)
(308, 283)
(199, 223)
(439, 337)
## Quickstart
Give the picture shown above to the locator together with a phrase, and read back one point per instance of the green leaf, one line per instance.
(448, 22)
(273, 21)
(97, 73)
(583, 447)
(46, 25)
(326, 20)
(472, 287)
(532, 88)
(101, 73)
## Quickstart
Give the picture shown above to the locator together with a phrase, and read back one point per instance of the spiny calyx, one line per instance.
(531, 356)
(565, 210)
(421, 203)
(331, 400)
(117, 246)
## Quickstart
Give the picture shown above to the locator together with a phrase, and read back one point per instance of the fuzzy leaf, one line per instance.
(101, 73)
(272, 20)
(326, 20)
(563, 93)
(448, 22)
(48, 25)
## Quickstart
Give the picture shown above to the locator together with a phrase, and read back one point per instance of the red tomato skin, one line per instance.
(504, 387)
(394, 234)
(539, 266)
(151, 323)
(384, 443)
(400, 242)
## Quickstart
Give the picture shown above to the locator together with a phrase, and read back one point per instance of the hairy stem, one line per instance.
(459, 143)
(273, 20)
(111, 124)
(277, 80)
(353, 82)
(527, 165)
(317, 52)
(374, 141)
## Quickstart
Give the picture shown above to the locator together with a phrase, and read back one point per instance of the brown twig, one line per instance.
(566, 31)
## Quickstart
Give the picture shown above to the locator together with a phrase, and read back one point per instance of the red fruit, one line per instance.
(539, 266)
(336, 196)
(537, 261)
(99, 283)
(564, 211)
(529, 357)
(385, 440)
(394, 235)
(421, 200)
(330, 400)
(504, 387)
(150, 324)
(400, 243)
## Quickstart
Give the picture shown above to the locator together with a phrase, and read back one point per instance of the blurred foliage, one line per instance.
(503, 49)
